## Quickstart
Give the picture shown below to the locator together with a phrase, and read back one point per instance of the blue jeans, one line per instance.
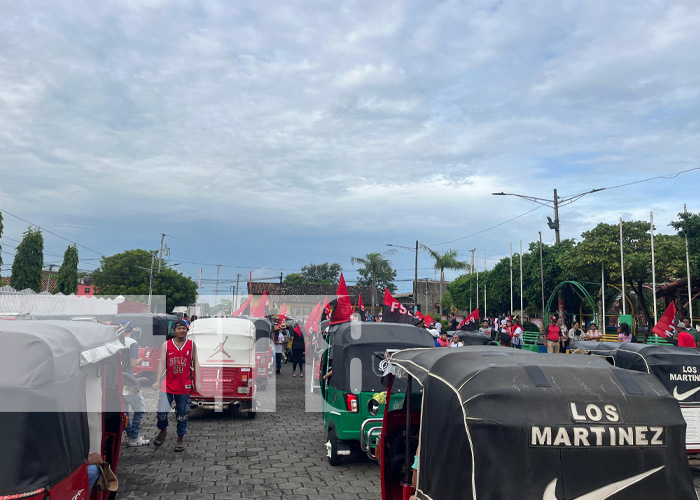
(134, 402)
(93, 473)
(182, 410)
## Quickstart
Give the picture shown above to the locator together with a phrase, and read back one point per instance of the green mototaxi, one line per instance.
(356, 357)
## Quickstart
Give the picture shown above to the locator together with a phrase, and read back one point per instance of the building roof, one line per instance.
(5, 280)
(300, 290)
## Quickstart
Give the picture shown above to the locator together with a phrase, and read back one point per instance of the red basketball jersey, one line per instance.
(178, 368)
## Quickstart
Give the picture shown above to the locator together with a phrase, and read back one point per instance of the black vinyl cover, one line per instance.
(678, 368)
(367, 343)
(500, 424)
(473, 338)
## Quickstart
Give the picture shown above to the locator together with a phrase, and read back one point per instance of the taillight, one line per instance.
(351, 403)
(244, 378)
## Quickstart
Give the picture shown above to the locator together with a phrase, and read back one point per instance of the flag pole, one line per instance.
(653, 263)
(622, 270)
(687, 266)
(477, 279)
(602, 292)
(542, 282)
(511, 278)
(484, 284)
(521, 280)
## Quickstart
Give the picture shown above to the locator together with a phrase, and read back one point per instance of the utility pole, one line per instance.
(280, 278)
(238, 277)
(426, 296)
(622, 270)
(471, 272)
(48, 283)
(477, 279)
(216, 290)
(160, 255)
(687, 266)
(415, 283)
(542, 281)
(511, 279)
(233, 298)
(150, 282)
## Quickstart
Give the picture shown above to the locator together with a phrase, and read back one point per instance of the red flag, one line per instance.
(361, 308)
(309, 324)
(343, 308)
(428, 320)
(666, 327)
(283, 311)
(326, 308)
(245, 307)
(472, 318)
(395, 312)
(419, 315)
(260, 310)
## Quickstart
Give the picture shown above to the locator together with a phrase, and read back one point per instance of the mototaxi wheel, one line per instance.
(333, 457)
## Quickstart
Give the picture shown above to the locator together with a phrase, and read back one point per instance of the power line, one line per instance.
(50, 232)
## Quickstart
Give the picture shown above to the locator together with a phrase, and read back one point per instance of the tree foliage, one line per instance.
(322, 274)
(376, 271)
(127, 273)
(29, 262)
(689, 227)
(67, 281)
(446, 260)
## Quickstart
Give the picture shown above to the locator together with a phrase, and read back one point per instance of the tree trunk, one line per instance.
(639, 290)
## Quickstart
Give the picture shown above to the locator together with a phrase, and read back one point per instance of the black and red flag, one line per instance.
(395, 312)
(343, 307)
(361, 308)
(326, 309)
(472, 318)
(666, 327)
(244, 310)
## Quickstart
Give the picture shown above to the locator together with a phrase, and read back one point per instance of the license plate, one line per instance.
(145, 363)
(243, 390)
(262, 370)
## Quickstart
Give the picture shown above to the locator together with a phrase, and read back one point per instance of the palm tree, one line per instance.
(445, 260)
(374, 263)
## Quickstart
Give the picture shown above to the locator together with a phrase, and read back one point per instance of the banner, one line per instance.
(343, 309)
(395, 312)
(472, 318)
(666, 327)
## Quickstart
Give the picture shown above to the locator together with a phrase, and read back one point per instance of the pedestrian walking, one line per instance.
(133, 399)
(554, 336)
(279, 345)
(179, 364)
(298, 347)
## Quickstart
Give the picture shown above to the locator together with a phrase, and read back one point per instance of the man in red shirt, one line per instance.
(179, 364)
(685, 339)
(554, 336)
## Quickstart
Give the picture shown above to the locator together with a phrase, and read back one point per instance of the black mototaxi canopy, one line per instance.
(359, 351)
(43, 370)
(678, 368)
(504, 424)
(472, 338)
(155, 328)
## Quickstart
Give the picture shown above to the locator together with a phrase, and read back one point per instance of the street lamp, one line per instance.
(415, 277)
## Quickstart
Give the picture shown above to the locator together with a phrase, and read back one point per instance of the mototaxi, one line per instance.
(355, 354)
(155, 329)
(61, 387)
(226, 354)
(492, 422)
(677, 368)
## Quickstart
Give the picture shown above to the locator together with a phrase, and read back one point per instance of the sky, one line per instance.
(264, 136)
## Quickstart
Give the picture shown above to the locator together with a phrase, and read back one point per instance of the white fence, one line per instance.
(45, 304)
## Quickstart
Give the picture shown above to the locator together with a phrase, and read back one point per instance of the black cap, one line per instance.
(179, 323)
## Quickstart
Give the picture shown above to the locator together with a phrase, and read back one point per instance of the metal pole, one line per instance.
(415, 283)
(238, 277)
(560, 296)
(542, 278)
(233, 298)
(471, 273)
(150, 282)
(602, 292)
(199, 288)
(511, 278)
(622, 270)
(216, 290)
(653, 262)
(477, 279)
(426, 296)
(521, 280)
(687, 266)
(484, 284)
(160, 256)
(48, 282)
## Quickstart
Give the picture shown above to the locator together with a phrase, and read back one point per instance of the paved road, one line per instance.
(276, 455)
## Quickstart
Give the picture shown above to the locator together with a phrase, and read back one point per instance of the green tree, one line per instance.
(376, 271)
(322, 274)
(445, 260)
(29, 262)
(67, 281)
(688, 227)
(127, 273)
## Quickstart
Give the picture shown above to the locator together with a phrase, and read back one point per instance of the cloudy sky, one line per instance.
(268, 135)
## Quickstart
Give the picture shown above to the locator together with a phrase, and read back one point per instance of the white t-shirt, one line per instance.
(438, 326)
(517, 340)
(278, 347)
(458, 344)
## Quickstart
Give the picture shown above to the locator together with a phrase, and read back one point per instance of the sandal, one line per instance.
(179, 448)
(159, 439)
